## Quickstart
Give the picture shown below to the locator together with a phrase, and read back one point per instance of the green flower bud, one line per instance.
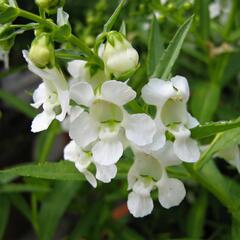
(119, 56)
(42, 51)
(50, 6)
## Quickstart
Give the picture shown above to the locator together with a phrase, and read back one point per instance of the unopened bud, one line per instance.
(119, 57)
(42, 51)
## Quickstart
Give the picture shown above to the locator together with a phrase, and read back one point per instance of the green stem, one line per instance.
(72, 39)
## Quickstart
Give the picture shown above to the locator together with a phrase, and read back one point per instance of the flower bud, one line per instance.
(42, 51)
(119, 57)
(50, 6)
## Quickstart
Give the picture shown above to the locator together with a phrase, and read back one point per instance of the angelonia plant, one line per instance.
(104, 115)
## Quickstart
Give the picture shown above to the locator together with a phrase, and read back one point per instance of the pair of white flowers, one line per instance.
(101, 129)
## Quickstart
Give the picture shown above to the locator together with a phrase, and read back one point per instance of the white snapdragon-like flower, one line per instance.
(52, 95)
(105, 120)
(170, 98)
(83, 159)
(148, 173)
(120, 58)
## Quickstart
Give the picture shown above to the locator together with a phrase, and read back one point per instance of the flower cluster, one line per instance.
(92, 105)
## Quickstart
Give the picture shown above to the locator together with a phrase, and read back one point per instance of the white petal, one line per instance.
(71, 151)
(117, 92)
(185, 148)
(158, 141)
(106, 173)
(143, 186)
(76, 68)
(107, 152)
(181, 84)
(83, 130)
(171, 192)
(63, 97)
(214, 9)
(139, 206)
(157, 91)
(140, 128)
(192, 122)
(90, 178)
(167, 155)
(62, 17)
(82, 93)
(42, 121)
(75, 111)
(39, 96)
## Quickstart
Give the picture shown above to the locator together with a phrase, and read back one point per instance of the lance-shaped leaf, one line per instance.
(4, 214)
(221, 141)
(170, 55)
(212, 128)
(54, 206)
(155, 46)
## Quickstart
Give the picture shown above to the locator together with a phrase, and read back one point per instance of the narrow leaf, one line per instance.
(13, 188)
(170, 55)
(221, 141)
(109, 24)
(212, 128)
(54, 207)
(155, 46)
(56, 171)
(4, 214)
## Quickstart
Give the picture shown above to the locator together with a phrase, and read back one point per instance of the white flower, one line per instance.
(80, 71)
(83, 159)
(62, 17)
(148, 173)
(119, 56)
(171, 98)
(52, 95)
(220, 8)
(106, 119)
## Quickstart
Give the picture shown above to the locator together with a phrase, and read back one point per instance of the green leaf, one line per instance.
(111, 21)
(155, 46)
(17, 104)
(21, 204)
(204, 103)
(69, 54)
(9, 31)
(54, 206)
(4, 214)
(196, 217)
(235, 228)
(8, 15)
(226, 190)
(212, 128)
(62, 170)
(204, 18)
(221, 141)
(13, 188)
(170, 55)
